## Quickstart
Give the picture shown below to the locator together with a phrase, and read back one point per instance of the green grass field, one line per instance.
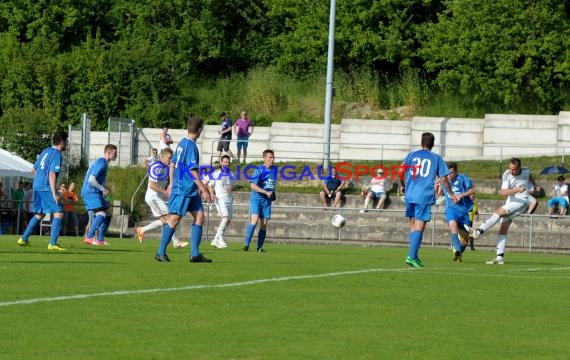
(292, 302)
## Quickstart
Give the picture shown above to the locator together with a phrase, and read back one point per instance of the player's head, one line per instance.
(268, 157)
(452, 166)
(225, 161)
(195, 125)
(428, 140)
(166, 155)
(561, 179)
(110, 152)
(60, 140)
(515, 166)
(154, 152)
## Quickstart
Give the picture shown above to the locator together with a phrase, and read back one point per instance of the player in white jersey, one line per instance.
(516, 182)
(156, 196)
(222, 183)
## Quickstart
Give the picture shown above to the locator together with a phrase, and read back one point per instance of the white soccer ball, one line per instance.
(338, 221)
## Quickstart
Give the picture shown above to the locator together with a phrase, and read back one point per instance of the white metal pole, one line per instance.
(329, 89)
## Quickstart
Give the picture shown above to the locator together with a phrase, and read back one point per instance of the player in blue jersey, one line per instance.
(457, 215)
(262, 194)
(47, 199)
(420, 169)
(94, 194)
(185, 193)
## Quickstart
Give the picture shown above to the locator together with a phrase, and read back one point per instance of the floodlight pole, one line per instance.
(329, 89)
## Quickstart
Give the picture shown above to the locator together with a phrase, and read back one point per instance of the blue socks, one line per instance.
(248, 234)
(261, 238)
(95, 225)
(167, 233)
(55, 229)
(31, 227)
(415, 238)
(196, 239)
(455, 242)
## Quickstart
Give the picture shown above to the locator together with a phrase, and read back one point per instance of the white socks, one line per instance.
(153, 225)
(490, 222)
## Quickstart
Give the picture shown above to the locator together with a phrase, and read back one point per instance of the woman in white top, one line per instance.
(378, 185)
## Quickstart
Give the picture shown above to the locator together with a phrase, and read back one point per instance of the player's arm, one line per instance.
(52, 180)
(533, 182)
(154, 186)
(445, 182)
(94, 183)
(211, 188)
(259, 189)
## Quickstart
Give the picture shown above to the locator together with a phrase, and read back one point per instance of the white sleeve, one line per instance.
(93, 182)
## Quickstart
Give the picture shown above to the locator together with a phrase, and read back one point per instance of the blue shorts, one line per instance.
(261, 207)
(44, 203)
(557, 201)
(95, 202)
(242, 142)
(418, 211)
(181, 204)
(458, 214)
(377, 195)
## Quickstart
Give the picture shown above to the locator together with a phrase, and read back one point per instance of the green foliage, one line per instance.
(156, 61)
(501, 52)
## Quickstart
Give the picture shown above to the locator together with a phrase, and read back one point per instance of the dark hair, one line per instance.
(224, 157)
(268, 151)
(561, 178)
(452, 165)
(516, 161)
(428, 140)
(195, 124)
(59, 137)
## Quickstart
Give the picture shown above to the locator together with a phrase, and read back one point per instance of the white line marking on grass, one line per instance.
(193, 287)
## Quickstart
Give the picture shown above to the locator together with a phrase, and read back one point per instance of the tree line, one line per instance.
(147, 59)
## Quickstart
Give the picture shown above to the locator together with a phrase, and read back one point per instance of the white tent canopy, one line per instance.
(13, 165)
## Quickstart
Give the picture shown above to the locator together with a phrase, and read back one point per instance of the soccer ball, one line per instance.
(338, 221)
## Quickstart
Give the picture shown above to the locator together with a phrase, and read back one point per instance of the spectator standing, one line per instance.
(243, 129)
(152, 158)
(69, 200)
(225, 136)
(165, 138)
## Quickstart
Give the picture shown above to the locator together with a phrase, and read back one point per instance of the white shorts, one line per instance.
(158, 206)
(514, 208)
(225, 208)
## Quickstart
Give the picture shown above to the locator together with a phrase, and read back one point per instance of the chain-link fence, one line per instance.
(122, 133)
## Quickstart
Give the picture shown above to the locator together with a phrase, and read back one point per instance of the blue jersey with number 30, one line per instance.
(422, 168)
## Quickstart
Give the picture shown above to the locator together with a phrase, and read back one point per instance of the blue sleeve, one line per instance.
(192, 158)
(55, 165)
(256, 177)
(442, 169)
